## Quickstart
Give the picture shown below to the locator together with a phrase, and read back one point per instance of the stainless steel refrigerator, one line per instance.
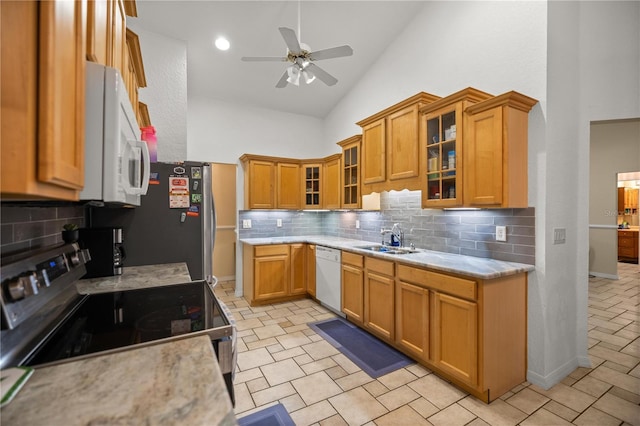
(175, 221)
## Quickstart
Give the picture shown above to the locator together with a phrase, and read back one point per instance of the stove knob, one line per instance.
(75, 259)
(43, 277)
(23, 286)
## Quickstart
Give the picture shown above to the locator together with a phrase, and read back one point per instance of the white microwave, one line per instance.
(116, 160)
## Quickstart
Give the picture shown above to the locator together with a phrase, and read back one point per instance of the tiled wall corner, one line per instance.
(27, 227)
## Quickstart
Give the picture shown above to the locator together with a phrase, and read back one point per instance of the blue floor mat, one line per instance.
(373, 356)
(275, 415)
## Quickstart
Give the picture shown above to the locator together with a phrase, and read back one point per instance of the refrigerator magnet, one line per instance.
(196, 172)
(178, 192)
(196, 198)
(154, 179)
(194, 211)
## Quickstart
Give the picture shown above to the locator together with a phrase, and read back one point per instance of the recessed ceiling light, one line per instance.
(222, 43)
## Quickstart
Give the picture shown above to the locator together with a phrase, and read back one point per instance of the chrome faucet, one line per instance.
(396, 232)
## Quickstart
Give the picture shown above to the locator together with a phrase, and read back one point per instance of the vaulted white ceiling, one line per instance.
(252, 28)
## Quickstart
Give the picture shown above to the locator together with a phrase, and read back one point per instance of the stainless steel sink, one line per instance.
(387, 249)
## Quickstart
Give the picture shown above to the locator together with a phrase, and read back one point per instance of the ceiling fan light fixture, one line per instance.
(308, 76)
(294, 75)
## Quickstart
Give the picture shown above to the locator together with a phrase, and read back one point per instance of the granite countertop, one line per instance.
(170, 383)
(134, 277)
(476, 267)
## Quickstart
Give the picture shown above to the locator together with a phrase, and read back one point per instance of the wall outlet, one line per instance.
(246, 223)
(279, 223)
(501, 233)
(357, 224)
(559, 235)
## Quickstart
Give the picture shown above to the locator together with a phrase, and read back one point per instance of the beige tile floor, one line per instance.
(282, 360)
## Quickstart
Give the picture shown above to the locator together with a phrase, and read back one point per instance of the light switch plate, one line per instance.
(279, 223)
(357, 224)
(559, 235)
(246, 223)
(501, 233)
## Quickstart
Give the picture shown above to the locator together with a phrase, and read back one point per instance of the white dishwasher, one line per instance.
(328, 287)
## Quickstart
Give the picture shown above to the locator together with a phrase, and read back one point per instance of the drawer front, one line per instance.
(626, 234)
(412, 275)
(627, 242)
(452, 285)
(352, 259)
(380, 266)
(461, 287)
(627, 252)
(271, 250)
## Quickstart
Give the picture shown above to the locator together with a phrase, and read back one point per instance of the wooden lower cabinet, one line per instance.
(271, 268)
(311, 269)
(379, 306)
(273, 273)
(628, 245)
(454, 333)
(469, 331)
(298, 262)
(353, 286)
(473, 331)
(412, 319)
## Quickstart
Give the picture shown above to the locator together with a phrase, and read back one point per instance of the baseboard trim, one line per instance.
(556, 376)
(601, 275)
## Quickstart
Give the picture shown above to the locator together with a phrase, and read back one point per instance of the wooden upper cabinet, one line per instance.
(441, 135)
(391, 147)
(134, 77)
(259, 179)
(495, 152)
(331, 188)
(350, 192)
(312, 175)
(43, 49)
(404, 158)
(288, 185)
(374, 152)
(118, 36)
(99, 15)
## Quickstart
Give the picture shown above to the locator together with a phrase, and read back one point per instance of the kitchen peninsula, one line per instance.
(171, 383)
(463, 317)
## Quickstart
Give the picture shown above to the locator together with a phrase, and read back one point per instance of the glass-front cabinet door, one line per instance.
(351, 172)
(442, 135)
(312, 177)
(442, 138)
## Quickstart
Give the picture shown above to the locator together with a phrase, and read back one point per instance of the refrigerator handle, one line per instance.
(209, 224)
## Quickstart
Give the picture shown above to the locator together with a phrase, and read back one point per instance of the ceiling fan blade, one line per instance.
(263, 59)
(290, 38)
(334, 52)
(283, 80)
(326, 78)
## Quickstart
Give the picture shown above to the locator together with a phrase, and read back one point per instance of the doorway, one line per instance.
(614, 149)
(628, 242)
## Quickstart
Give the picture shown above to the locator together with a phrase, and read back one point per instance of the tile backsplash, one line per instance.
(27, 227)
(465, 232)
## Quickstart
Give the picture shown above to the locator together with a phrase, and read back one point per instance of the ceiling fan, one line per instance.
(302, 60)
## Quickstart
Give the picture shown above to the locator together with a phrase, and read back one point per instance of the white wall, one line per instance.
(221, 131)
(165, 66)
(585, 39)
(492, 46)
